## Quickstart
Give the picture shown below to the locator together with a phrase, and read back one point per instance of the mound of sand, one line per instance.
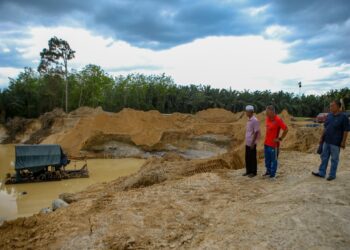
(94, 132)
(144, 129)
(216, 115)
(3, 133)
(85, 111)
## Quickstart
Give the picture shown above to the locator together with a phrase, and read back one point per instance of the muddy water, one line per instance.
(13, 203)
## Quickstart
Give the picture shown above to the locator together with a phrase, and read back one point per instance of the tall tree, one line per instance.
(54, 60)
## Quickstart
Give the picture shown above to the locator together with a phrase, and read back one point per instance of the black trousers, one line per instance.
(251, 162)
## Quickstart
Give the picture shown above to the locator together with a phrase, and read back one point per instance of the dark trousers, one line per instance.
(251, 162)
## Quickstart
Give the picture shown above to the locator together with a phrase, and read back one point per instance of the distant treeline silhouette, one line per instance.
(31, 94)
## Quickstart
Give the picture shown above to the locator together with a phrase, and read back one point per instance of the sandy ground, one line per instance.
(175, 203)
(211, 210)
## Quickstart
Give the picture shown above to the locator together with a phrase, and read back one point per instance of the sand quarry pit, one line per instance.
(131, 133)
(190, 193)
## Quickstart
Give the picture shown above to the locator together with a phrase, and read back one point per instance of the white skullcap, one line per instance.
(249, 108)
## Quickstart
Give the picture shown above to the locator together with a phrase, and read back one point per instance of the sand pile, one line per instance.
(20, 129)
(286, 117)
(45, 124)
(143, 128)
(217, 115)
(133, 133)
(157, 170)
(139, 128)
(3, 133)
(86, 111)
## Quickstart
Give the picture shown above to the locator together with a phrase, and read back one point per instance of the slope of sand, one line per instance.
(196, 209)
(85, 128)
(217, 132)
(142, 128)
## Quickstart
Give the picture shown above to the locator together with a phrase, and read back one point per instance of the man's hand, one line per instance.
(277, 140)
(252, 146)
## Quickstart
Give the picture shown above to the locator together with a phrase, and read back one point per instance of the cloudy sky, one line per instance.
(241, 44)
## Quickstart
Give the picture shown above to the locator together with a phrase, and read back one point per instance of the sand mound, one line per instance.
(20, 129)
(286, 116)
(3, 133)
(216, 115)
(133, 133)
(159, 170)
(144, 129)
(46, 121)
(84, 111)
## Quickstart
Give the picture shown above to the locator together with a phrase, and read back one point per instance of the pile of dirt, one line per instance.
(86, 111)
(157, 170)
(217, 115)
(286, 117)
(132, 133)
(149, 130)
(46, 120)
(20, 129)
(3, 133)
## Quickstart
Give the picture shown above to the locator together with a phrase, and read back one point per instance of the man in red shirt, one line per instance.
(274, 124)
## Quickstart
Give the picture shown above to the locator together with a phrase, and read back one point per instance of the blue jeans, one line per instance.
(271, 163)
(329, 151)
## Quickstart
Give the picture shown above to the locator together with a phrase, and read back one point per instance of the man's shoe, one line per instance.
(245, 174)
(266, 174)
(317, 174)
(251, 175)
(272, 178)
(330, 178)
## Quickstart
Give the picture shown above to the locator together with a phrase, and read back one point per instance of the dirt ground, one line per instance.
(177, 203)
(218, 209)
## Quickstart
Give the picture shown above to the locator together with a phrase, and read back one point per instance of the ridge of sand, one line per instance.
(146, 129)
(78, 131)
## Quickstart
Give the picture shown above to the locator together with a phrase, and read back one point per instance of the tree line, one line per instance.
(31, 94)
(34, 92)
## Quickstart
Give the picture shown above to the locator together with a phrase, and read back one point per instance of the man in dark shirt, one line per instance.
(333, 138)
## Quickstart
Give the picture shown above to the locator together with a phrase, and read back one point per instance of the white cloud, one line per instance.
(5, 73)
(277, 31)
(254, 11)
(245, 62)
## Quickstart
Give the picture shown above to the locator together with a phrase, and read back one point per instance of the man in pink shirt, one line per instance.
(251, 138)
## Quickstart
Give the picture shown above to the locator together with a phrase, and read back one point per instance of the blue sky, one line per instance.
(225, 43)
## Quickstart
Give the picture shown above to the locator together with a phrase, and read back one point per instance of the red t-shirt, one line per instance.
(273, 128)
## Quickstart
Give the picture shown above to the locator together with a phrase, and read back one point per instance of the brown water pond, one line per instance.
(13, 203)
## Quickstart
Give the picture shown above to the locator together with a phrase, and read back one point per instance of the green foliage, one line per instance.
(54, 60)
(31, 94)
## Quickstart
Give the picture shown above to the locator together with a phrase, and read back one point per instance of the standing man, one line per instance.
(274, 124)
(334, 137)
(252, 135)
